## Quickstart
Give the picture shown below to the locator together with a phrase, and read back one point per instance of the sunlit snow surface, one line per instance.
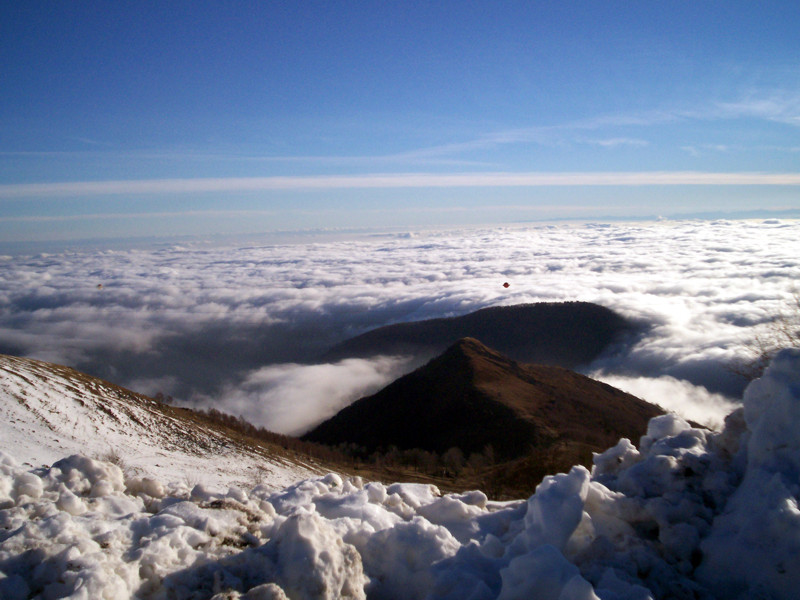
(48, 412)
(689, 514)
(229, 324)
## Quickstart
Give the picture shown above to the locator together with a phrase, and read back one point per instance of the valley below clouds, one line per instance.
(241, 327)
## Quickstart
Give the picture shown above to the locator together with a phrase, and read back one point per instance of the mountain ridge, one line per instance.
(472, 396)
(567, 334)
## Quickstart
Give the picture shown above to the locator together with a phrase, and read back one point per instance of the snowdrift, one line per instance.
(689, 514)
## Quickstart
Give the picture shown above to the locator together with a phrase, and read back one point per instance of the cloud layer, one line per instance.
(218, 324)
(395, 180)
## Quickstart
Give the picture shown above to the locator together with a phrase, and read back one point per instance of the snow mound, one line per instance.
(690, 513)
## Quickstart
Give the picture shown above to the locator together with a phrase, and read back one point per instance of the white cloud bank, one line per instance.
(692, 402)
(202, 321)
(293, 398)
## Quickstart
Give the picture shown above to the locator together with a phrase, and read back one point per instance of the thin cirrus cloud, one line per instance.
(399, 180)
(781, 107)
(131, 216)
(617, 142)
(242, 326)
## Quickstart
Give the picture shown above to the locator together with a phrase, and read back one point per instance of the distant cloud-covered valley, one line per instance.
(242, 327)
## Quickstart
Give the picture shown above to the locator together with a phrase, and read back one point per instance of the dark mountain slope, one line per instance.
(471, 396)
(567, 334)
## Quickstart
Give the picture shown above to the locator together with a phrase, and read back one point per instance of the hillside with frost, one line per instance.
(49, 411)
(689, 513)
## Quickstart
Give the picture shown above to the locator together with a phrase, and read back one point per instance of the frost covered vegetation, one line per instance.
(782, 332)
(690, 513)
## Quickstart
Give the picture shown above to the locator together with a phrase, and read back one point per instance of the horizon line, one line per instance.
(394, 180)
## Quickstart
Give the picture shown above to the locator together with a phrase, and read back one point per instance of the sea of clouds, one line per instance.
(241, 326)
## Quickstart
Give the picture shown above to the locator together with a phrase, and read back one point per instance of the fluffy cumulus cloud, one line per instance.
(219, 323)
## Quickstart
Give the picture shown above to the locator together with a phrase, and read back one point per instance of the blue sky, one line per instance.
(171, 118)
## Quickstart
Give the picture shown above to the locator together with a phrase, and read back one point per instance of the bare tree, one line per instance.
(782, 332)
(453, 461)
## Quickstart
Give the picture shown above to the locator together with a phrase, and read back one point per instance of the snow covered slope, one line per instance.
(688, 514)
(48, 411)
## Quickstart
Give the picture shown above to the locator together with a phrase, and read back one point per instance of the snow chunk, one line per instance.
(619, 457)
(661, 427)
(544, 574)
(13, 588)
(69, 502)
(556, 508)
(771, 407)
(313, 562)
(754, 546)
(458, 516)
(145, 485)
(400, 558)
(27, 486)
(84, 476)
